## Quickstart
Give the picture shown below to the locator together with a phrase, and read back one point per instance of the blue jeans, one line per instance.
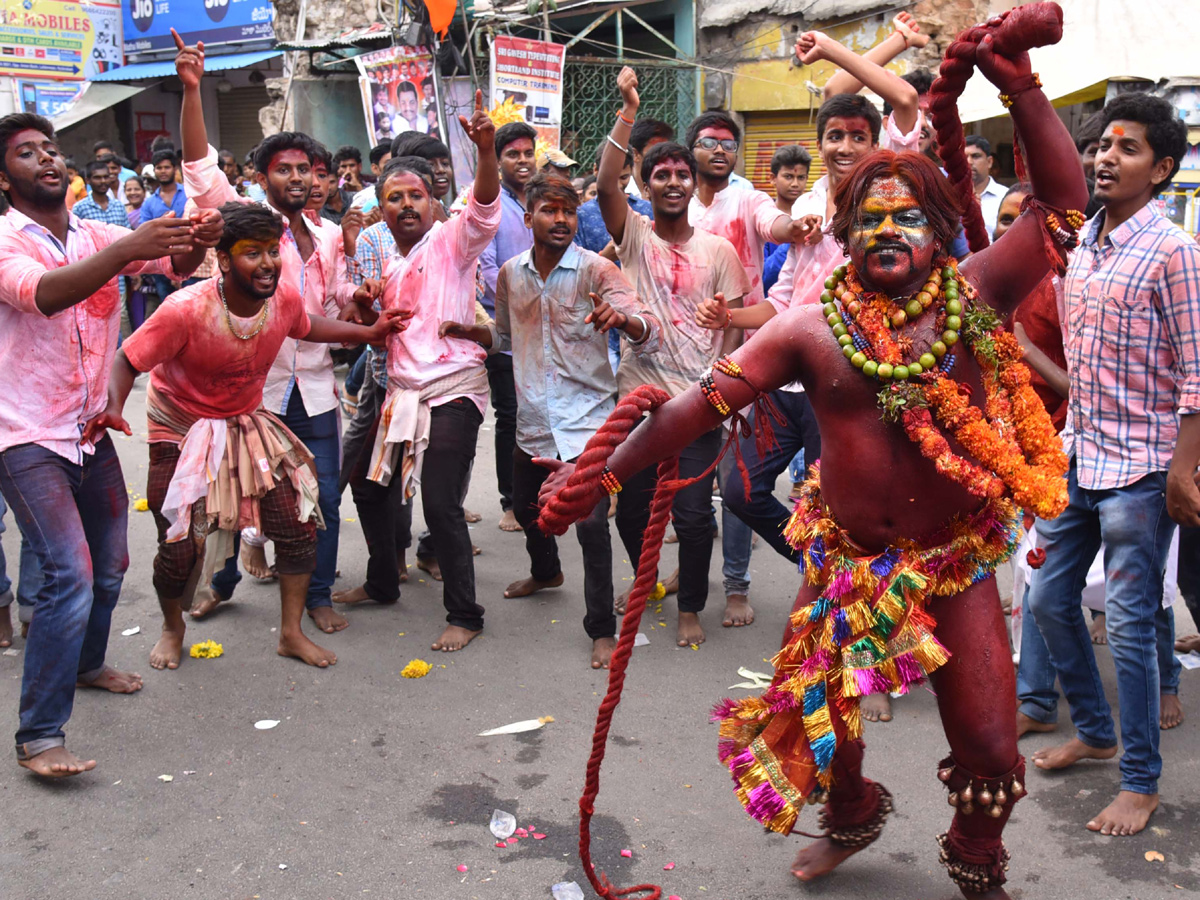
(760, 509)
(75, 518)
(1133, 524)
(358, 371)
(29, 578)
(737, 538)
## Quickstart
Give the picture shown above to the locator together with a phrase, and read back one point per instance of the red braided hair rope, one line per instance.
(1013, 32)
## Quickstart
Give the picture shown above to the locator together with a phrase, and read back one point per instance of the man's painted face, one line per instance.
(253, 266)
(790, 182)
(517, 162)
(36, 171)
(288, 180)
(892, 243)
(320, 187)
(715, 161)
(406, 105)
(845, 141)
(671, 186)
(553, 222)
(407, 207)
(1010, 209)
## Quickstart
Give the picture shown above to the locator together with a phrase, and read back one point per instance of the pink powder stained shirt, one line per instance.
(321, 280)
(55, 372)
(194, 358)
(744, 218)
(437, 281)
(671, 281)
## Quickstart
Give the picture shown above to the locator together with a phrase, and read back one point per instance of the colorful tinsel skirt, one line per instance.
(868, 632)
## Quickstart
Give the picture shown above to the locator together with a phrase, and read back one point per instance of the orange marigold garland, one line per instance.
(1011, 436)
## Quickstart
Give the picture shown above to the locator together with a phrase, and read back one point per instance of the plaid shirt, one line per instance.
(1133, 346)
(115, 214)
(374, 247)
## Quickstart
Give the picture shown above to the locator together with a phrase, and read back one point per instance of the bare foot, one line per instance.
(298, 646)
(1099, 630)
(111, 679)
(429, 565)
(472, 517)
(167, 652)
(351, 596)
(689, 630)
(622, 601)
(205, 602)
(1188, 644)
(6, 629)
(612, 506)
(820, 858)
(876, 708)
(738, 611)
(57, 762)
(1026, 724)
(1068, 754)
(527, 586)
(402, 566)
(602, 651)
(476, 550)
(1170, 712)
(327, 620)
(454, 638)
(508, 522)
(1128, 814)
(671, 538)
(254, 561)
(25, 630)
(671, 583)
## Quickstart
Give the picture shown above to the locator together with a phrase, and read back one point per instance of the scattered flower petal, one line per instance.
(627, 853)
(266, 724)
(501, 844)
(130, 632)
(668, 867)
(416, 668)
(1154, 856)
(206, 650)
(512, 840)
(462, 868)
(141, 505)
(538, 837)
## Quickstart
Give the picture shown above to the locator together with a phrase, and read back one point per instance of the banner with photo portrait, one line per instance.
(399, 92)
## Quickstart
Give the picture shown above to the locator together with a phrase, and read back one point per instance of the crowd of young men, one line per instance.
(554, 308)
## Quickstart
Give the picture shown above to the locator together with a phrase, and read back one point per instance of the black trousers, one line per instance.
(1189, 570)
(504, 402)
(691, 512)
(453, 431)
(592, 532)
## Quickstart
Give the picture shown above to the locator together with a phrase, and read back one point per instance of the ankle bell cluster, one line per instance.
(969, 792)
(858, 836)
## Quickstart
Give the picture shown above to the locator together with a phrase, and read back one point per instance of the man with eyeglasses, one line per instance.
(748, 219)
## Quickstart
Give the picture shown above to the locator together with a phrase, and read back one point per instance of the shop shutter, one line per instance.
(237, 116)
(766, 132)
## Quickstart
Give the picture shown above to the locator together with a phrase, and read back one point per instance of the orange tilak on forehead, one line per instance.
(888, 195)
(1118, 131)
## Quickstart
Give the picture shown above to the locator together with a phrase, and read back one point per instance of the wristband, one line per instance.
(1009, 97)
(645, 331)
(621, 116)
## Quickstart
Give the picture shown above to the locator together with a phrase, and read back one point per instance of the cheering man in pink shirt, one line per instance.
(59, 322)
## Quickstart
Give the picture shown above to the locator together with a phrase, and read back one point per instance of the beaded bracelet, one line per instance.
(1031, 82)
(609, 481)
(708, 387)
(727, 366)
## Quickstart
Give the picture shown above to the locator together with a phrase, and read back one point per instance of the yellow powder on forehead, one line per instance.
(246, 244)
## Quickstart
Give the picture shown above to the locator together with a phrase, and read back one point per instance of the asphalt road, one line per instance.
(377, 785)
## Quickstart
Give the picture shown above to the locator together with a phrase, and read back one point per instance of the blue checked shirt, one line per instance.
(375, 246)
(591, 233)
(1132, 337)
(115, 214)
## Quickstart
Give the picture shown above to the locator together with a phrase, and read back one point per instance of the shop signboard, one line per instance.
(148, 23)
(54, 39)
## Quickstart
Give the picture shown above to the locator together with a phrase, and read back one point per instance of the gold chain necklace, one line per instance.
(262, 317)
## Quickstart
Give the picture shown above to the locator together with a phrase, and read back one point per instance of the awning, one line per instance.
(92, 99)
(376, 35)
(166, 68)
(1103, 40)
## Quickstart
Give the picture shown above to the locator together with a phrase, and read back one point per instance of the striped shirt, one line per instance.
(1133, 346)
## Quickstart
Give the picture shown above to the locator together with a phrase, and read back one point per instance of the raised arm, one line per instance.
(907, 34)
(613, 205)
(815, 45)
(189, 65)
(1008, 270)
(482, 132)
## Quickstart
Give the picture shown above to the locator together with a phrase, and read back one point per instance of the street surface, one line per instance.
(376, 785)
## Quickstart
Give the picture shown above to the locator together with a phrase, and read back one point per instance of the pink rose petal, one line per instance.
(668, 867)
(674, 897)
(501, 844)
(512, 840)
(521, 832)
(538, 837)
(627, 853)
(462, 868)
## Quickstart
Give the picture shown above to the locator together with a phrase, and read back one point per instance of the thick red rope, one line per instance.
(1013, 32)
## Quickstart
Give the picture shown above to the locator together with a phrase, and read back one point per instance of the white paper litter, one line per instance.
(1187, 660)
(640, 640)
(266, 724)
(12, 651)
(757, 681)
(503, 824)
(282, 866)
(566, 890)
(130, 632)
(517, 727)
(166, 777)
